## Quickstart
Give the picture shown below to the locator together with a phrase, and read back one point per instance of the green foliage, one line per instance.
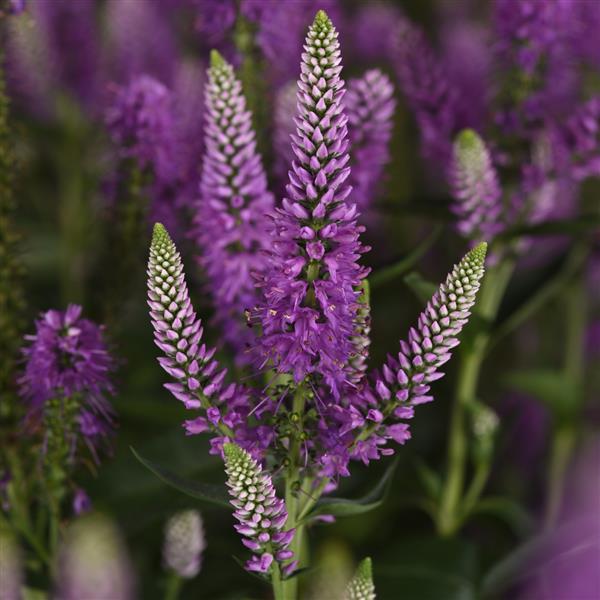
(211, 493)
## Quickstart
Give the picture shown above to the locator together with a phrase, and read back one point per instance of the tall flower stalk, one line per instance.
(320, 408)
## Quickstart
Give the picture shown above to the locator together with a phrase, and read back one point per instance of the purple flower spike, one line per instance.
(370, 106)
(405, 382)
(184, 543)
(140, 121)
(199, 379)
(68, 366)
(475, 188)
(260, 513)
(230, 223)
(431, 96)
(310, 289)
(578, 142)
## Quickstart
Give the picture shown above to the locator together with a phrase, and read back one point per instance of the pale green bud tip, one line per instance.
(478, 253)
(468, 140)
(159, 234)
(322, 21)
(365, 570)
(232, 452)
(216, 59)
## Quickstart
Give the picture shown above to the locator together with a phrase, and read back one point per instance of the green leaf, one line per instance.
(390, 272)
(507, 510)
(344, 507)
(430, 480)
(575, 226)
(215, 494)
(421, 287)
(555, 389)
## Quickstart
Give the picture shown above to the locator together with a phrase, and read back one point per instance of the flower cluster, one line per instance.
(475, 188)
(261, 515)
(370, 108)
(200, 381)
(12, 7)
(405, 381)
(140, 122)
(231, 215)
(310, 297)
(66, 375)
(434, 99)
(184, 543)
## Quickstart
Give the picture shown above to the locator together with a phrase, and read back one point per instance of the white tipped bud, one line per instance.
(184, 543)
(94, 562)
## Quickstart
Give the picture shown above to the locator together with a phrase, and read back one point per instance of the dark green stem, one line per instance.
(450, 508)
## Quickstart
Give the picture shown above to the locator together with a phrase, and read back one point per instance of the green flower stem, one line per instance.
(289, 588)
(173, 587)
(565, 433)
(472, 356)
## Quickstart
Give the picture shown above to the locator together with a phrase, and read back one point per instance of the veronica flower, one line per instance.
(370, 107)
(405, 381)
(66, 377)
(577, 142)
(310, 295)
(93, 562)
(131, 51)
(475, 188)
(199, 379)
(261, 515)
(432, 97)
(140, 121)
(71, 41)
(230, 223)
(361, 586)
(184, 543)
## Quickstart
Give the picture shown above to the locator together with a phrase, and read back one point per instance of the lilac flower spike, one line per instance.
(475, 188)
(310, 288)
(230, 223)
(405, 381)
(260, 513)
(178, 333)
(434, 99)
(370, 107)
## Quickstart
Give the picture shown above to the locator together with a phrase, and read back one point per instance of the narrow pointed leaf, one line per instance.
(215, 494)
(346, 507)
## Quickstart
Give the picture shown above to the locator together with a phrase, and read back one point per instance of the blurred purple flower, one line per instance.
(475, 188)
(130, 47)
(81, 502)
(140, 121)
(431, 95)
(231, 217)
(374, 27)
(12, 7)
(67, 358)
(370, 108)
